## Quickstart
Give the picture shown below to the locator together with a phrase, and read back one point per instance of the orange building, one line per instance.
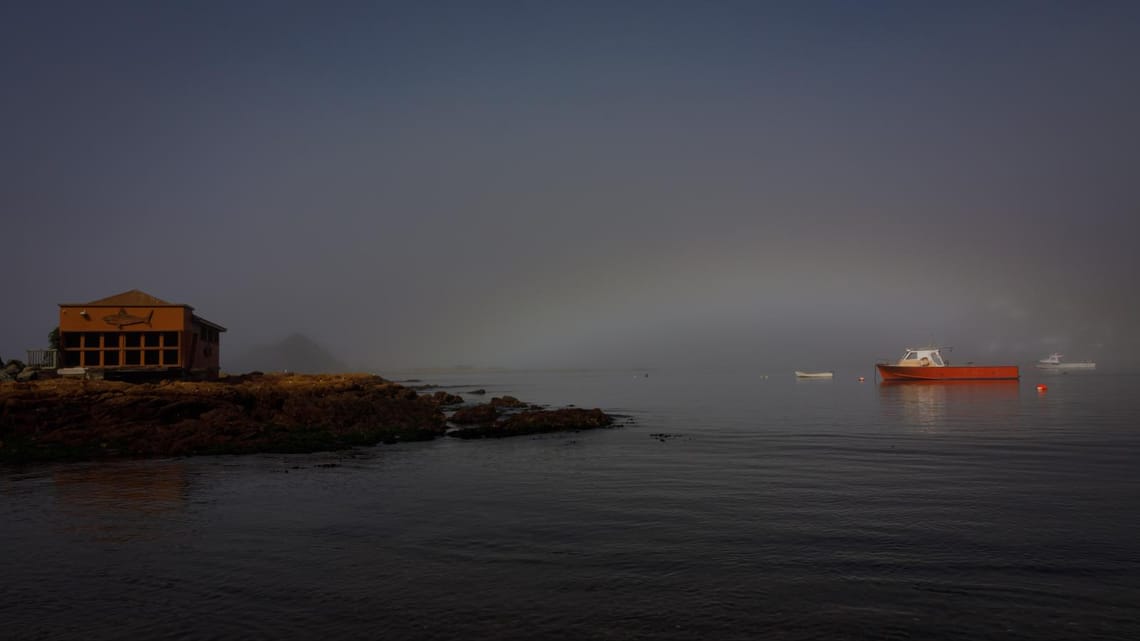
(136, 331)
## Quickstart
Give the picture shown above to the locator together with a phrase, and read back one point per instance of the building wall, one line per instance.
(202, 346)
(169, 318)
(113, 336)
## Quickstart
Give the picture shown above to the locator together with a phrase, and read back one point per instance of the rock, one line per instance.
(507, 401)
(72, 419)
(182, 410)
(536, 422)
(75, 419)
(13, 367)
(5, 376)
(479, 391)
(476, 415)
(441, 399)
(553, 420)
(28, 374)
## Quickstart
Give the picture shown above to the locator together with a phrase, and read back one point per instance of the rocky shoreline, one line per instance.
(69, 419)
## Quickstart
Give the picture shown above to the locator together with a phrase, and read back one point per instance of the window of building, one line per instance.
(110, 341)
(150, 339)
(91, 359)
(91, 340)
(150, 357)
(170, 339)
(111, 358)
(131, 340)
(169, 357)
(71, 340)
(132, 357)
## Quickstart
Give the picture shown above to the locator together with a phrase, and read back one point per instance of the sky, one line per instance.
(578, 184)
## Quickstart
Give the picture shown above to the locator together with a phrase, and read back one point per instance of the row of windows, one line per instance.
(104, 340)
(114, 340)
(115, 349)
(115, 357)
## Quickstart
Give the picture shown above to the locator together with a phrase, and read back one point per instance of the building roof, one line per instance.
(202, 321)
(139, 298)
(130, 298)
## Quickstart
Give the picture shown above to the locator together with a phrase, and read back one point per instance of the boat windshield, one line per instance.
(924, 357)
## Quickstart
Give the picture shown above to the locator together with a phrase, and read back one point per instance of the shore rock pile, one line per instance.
(15, 370)
(487, 424)
(61, 419)
(508, 416)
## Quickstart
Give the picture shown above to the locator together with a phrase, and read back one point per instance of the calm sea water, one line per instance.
(731, 507)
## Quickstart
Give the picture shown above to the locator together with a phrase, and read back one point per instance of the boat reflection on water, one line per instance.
(947, 403)
(121, 501)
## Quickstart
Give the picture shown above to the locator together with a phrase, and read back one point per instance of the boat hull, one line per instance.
(800, 374)
(1064, 366)
(949, 373)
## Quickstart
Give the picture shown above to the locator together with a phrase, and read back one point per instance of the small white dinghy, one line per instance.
(800, 374)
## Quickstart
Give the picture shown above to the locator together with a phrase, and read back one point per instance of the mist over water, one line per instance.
(586, 185)
(730, 507)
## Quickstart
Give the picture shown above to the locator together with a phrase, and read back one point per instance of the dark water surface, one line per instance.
(731, 508)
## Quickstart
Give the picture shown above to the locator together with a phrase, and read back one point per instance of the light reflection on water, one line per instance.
(932, 405)
(120, 501)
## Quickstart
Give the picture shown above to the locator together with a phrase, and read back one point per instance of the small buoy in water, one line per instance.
(861, 379)
(1042, 388)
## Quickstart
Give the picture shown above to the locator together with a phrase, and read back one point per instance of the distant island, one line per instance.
(295, 353)
(57, 419)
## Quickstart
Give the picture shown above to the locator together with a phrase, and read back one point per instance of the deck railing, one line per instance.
(43, 358)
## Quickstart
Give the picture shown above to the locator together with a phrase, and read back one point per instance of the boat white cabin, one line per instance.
(922, 357)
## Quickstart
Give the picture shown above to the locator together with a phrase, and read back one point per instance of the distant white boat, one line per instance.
(1054, 361)
(800, 374)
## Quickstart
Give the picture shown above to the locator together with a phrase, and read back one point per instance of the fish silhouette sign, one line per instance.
(123, 319)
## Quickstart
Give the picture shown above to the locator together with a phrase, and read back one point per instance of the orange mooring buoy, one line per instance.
(1042, 388)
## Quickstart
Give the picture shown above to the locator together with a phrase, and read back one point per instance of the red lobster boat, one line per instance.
(926, 364)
